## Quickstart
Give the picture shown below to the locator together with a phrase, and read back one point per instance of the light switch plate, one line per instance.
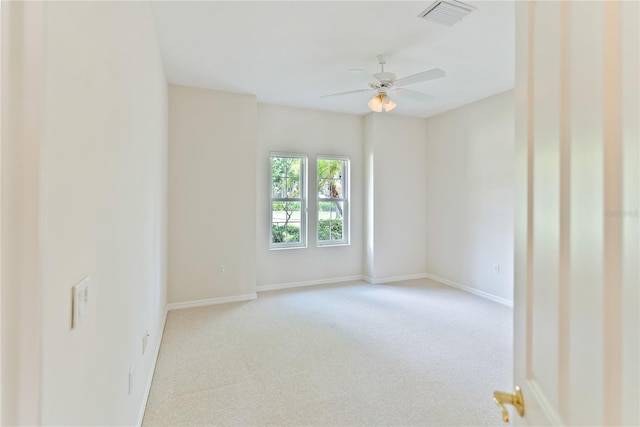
(80, 302)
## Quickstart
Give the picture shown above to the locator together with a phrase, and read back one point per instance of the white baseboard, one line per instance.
(211, 301)
(264, 288)
(469, 289)
(375, 281)
(147, 389)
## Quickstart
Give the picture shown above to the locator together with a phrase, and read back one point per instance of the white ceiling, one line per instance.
(292, 52)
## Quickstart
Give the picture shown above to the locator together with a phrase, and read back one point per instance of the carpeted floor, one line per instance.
(413, 353)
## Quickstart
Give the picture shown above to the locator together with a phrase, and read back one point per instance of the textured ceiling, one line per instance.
(291, 53)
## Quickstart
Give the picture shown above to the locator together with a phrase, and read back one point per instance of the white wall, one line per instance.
(212, 194)
(470, 195)
(98, 171)
(310, 132)
(396, 147)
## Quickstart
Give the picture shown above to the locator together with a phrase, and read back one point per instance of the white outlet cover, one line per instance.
(80, 302)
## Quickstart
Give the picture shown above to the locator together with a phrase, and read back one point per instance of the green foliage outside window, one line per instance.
(330, 230)
(285, 233)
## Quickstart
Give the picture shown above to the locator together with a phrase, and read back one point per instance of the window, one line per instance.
(333, 201)
(288, 201)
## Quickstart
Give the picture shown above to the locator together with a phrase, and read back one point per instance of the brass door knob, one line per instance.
(501, 398)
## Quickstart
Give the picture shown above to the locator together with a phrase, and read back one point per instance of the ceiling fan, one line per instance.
(384, 83)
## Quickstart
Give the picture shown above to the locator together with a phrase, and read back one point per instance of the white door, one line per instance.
(577, 213)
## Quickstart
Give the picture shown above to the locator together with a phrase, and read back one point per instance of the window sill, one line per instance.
(328, 245)
(284, 248)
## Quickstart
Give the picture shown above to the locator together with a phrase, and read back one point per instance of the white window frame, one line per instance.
(346, 205)
(302, 199)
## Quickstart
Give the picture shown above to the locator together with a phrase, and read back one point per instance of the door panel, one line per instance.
(576, 277)
(630, 115)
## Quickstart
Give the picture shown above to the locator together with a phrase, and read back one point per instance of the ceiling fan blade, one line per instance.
(418, 96)
(436, 73)
(346, 93)
(366, 76)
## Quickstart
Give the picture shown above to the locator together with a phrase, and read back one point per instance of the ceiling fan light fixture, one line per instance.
(375, 103)
(381, 101)
(387, 103)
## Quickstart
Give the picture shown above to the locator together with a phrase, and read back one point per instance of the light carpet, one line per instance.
(413, 353)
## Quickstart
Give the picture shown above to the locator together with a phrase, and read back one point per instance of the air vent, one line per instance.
(447, 12)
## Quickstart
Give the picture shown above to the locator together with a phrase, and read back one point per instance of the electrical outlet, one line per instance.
(145, 340)
(80, 302)
(496, 268)
(323, 256)
(221, 269)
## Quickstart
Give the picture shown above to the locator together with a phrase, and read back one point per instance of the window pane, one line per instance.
(323, 189)
(293, 187)
(330, 230)
(330, 189)
(285, 176)
(330, 169)
(330, 210)
(335, 189)
(330, 220)
(330, 179)
(277, 187)
(286, 220)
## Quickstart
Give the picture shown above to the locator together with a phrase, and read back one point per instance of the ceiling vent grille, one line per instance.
(447, 12)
